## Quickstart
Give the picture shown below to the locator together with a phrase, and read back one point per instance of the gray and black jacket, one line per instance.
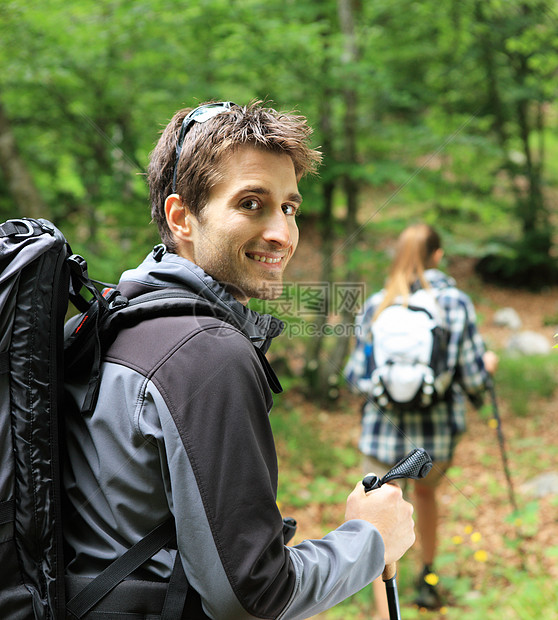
(181, 427)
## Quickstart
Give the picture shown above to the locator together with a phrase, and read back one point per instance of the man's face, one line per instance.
(246, 233)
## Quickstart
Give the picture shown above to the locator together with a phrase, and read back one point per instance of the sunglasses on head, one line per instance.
(199, 115)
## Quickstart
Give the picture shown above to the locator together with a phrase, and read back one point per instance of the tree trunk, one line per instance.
(332, 369)
(313, 367)
(530, 206)
(494, 99)
(534, 217)
(27, 200)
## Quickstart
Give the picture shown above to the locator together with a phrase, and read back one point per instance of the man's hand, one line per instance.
(386, 509)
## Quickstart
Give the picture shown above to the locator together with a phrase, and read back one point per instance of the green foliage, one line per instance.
(524, 263)
(315, 470)
(306, 446)
(510, 593)
(87, 86)
(523, 380)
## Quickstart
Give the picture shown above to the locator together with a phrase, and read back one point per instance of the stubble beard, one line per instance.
(246, 288)
(238, 282)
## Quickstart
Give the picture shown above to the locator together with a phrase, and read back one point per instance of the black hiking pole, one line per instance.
(416, 465)
(502, 442)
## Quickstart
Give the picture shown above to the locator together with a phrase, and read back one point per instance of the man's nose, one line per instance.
(278, 228)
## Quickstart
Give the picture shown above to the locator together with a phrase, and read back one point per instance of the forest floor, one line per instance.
(481, 538)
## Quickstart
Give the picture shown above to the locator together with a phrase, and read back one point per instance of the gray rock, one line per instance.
(540, 486)
(529, 343)
(507, 317)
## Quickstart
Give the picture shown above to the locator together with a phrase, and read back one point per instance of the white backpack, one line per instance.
(409, 350)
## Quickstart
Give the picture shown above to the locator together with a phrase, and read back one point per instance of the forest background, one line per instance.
(443, 112)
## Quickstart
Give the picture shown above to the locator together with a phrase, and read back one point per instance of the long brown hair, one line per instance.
(413, 255)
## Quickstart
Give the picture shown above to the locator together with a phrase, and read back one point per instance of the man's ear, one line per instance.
(178, 218)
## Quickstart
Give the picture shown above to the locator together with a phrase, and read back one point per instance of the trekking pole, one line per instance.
(501, 441)
(416, 465)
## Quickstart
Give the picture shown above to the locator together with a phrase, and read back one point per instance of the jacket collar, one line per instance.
(164, 270)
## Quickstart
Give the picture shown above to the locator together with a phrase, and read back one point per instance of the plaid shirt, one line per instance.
(388, 436)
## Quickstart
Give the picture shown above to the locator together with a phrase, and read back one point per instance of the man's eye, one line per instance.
(250, 205)
(291, 209)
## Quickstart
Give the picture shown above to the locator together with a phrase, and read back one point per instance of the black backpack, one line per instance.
(39, 276)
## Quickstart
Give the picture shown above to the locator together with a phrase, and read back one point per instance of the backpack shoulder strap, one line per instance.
(126, 564)
(17, 228)
(426, 300)
(88, 335)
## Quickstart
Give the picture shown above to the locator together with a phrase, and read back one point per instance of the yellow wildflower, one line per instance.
(476, 536)
(493, 423)
(457, 540)
(481, 555)
(431, 579)
(468, 529)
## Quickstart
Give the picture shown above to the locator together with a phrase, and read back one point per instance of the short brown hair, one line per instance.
(205, 146)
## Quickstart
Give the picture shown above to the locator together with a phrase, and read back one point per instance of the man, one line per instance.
(181, 424)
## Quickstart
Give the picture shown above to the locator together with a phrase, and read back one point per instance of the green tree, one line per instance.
(519, 53)
(474, 83)
(444, 105)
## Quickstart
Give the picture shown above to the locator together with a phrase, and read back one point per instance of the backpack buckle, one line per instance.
(78, 265)
(114, 298)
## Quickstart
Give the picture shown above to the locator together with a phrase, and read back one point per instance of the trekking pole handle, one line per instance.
(371, 482)
(416, 465)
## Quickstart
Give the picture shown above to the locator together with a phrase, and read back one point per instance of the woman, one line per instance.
(389, 434)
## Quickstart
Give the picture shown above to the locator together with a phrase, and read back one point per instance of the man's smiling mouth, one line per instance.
(264, 259)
